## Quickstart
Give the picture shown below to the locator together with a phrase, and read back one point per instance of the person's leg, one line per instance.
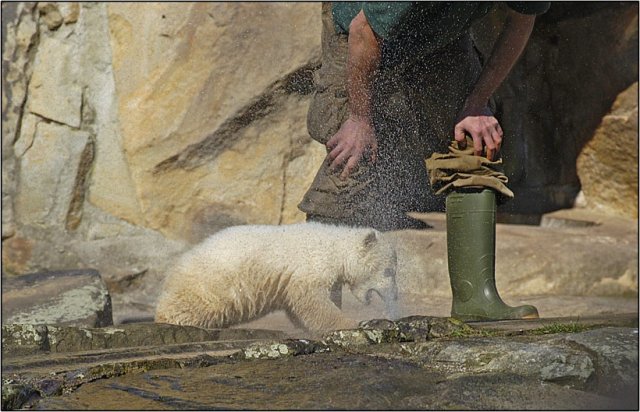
(329, 105)
(438, 85)
(353, 201)
(329, 199)
(402, 186)
(470, 213)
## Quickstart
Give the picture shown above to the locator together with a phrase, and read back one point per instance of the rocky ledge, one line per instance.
(413, 363)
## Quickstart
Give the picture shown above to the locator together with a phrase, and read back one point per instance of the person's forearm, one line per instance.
(364, 58)
(506, 51)
(359, 91)
(355, 139)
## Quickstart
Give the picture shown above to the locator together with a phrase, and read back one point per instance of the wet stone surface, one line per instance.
(316, 381)
(324, 381)
(413, 363)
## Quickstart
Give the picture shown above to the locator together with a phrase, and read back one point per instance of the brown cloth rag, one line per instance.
(461, 168)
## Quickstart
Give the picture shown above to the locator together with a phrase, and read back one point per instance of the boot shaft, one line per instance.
(471, 234)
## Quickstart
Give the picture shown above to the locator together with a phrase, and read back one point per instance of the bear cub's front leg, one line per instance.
(317, 313)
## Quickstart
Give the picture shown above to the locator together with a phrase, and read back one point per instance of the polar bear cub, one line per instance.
(244, 272)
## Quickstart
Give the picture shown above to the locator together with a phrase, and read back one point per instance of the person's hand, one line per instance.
(352, 142)
(483, 128)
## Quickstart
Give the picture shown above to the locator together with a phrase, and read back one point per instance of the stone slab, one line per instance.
(68, 339)
(68, 297)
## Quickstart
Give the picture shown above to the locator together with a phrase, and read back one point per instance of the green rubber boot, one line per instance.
(471, 243)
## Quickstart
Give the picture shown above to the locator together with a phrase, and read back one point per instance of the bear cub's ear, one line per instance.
(370, 240)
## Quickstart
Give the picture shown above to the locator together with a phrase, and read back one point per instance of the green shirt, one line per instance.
(422, 26)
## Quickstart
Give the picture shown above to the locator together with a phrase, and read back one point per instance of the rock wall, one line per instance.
(608, 163)
(212, 102)
(131, 130)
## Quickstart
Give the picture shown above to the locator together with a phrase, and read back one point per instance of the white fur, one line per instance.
(244, 272)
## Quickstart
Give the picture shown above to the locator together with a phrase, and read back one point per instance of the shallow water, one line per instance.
(341, 381)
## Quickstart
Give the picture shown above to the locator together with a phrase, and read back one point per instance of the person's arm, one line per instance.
(356, 137)
(476, 119)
